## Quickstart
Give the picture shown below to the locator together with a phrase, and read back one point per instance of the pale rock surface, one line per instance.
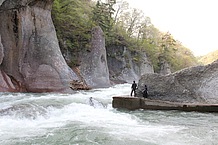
(94, 68)
(126, 65)
(194, 84)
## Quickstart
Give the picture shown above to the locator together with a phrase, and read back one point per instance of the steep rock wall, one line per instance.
(164, 68)
(194, 84)
(93, 67)
(1, 51)
(5, 83)
(31, 52)
(126, 65)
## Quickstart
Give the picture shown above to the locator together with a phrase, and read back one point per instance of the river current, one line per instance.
(69, 119)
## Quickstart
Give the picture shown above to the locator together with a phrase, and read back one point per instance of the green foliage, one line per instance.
(102, 16)
(121, 25)
(209, 58)
(73, 24)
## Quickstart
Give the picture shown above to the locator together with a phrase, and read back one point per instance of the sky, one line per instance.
(192, 22)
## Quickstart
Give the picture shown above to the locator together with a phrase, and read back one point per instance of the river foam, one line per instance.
(70, 119)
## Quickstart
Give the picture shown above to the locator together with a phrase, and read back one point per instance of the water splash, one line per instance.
(70, 119)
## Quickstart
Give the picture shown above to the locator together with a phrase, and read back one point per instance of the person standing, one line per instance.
(134, 87)
(145, 92)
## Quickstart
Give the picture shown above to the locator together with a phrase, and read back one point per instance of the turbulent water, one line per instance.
(70, 119)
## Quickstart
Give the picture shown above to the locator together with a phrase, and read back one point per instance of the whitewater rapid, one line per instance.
(59, 119)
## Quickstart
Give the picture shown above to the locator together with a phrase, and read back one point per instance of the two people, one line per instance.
(134, 87)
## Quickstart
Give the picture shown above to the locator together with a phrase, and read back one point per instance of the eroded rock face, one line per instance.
(5, 83)
(1, 51)
(165, 68)
(195, 84)
(127, 66)
(31, 51)
(94, 68)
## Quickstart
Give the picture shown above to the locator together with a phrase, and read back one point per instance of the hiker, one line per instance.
(145, 92)
(134, 87)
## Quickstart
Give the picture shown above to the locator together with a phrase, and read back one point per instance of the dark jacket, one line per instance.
(134, 86)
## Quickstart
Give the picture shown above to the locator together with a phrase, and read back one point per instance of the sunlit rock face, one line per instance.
(31, 52)
(126, 65)
(164, 68)
(194, 84)
(94, 68)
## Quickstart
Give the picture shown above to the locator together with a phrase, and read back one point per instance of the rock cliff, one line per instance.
(194, 84)
(125, 65)
(164, 68)
(1, 51)
(31, 52)
(93, 67)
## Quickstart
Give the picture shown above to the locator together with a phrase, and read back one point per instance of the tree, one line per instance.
(73, 24)
(102, 15)
(121, 25)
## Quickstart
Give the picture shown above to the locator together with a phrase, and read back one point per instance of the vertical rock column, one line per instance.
(32, 54)
(94, 66)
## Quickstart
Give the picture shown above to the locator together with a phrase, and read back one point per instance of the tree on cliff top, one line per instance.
(72, 20)
(142, 35)
(121, 24)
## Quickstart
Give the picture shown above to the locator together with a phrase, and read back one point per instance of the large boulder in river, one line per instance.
(31, 52)
(126, 65)
(93, 67)
(194, 84)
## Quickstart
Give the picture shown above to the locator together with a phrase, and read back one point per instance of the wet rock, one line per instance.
(31, 111)
(78, 85)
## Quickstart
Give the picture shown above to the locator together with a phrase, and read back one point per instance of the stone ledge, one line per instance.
(134, 103)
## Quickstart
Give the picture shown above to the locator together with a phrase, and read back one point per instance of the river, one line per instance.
(69, 119)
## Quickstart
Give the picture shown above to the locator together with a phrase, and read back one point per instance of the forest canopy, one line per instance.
(122, 25)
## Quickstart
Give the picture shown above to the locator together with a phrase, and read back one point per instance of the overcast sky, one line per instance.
(193, 22)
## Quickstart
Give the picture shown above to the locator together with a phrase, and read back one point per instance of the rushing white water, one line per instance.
(69, 119)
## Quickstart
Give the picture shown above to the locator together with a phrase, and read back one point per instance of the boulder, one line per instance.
(31, 52)
(194, 84)
(126, 65)
(93, 67)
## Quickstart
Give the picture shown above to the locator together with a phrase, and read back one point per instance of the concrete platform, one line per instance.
(133, 103)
